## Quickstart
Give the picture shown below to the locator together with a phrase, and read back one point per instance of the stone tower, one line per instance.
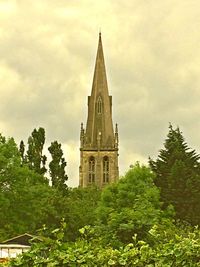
(98, 142)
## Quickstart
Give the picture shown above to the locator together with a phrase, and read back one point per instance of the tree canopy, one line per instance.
(57, 167)
(127, 223)
(177, 170)
(23, 193)
(130, 206)
(34, 156)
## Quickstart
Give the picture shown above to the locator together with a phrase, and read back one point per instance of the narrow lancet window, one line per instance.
(99, 105)
(91, 171)
(105, 169)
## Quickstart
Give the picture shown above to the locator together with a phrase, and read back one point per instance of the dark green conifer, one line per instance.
(177, 171)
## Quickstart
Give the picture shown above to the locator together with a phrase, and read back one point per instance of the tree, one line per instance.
(22, 150)
(27, 203)
(177, 172)
(77, 208)
(9, 158)
(24, 194)
(130, 206)
(57, 167)
(35, 158)
(80, 209)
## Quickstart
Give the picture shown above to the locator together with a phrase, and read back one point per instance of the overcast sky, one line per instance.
(152, 56)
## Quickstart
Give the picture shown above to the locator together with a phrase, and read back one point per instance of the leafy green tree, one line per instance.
(130, 206)
(77, 208)
(27, 203)
(177, 172)
(24, 194)
(57, 167)
(80, 209)
(9, 157)
(35, 158)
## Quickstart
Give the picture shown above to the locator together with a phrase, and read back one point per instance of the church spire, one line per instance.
(99, 143)
(100, 79)
(99, 106)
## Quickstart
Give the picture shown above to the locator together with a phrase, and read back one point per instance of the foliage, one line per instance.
(22, 151)
(27, 206)
(9, 158)
(57, 167)
(177, 172)
(27, 201)
(35, 158)
(87, 251)
(130, 206)
(122, 225)
(77, 208)
(24, 194)
(80, 209)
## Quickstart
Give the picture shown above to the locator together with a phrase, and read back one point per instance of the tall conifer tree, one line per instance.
(177, 171)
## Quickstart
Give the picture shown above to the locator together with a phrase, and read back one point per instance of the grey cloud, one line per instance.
(47, 54)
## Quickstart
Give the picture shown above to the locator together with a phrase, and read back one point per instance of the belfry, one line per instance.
(99, 142)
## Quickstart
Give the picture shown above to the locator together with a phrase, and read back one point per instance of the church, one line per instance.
(98, 141)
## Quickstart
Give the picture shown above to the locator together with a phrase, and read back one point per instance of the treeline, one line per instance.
(150, 217)
(34, 158)
(33, 194)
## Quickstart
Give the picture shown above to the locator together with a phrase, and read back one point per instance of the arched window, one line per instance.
(91, 170)
(105, 169)
(99, 105)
